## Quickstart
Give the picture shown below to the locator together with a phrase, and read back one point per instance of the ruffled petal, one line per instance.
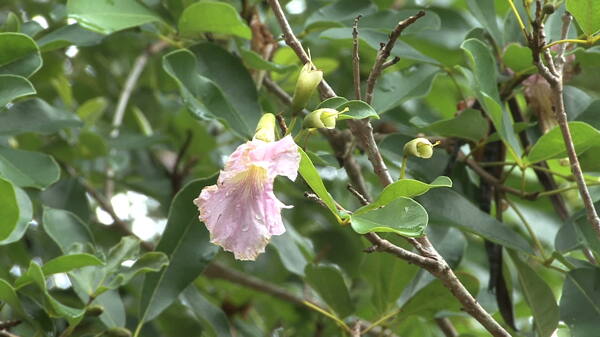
(242, 214)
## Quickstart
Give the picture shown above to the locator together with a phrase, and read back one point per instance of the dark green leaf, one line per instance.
(551, 145)
(403, 216)
(35, 115)
(19, 55)
(186, 243)
(329, 283)
(69, 35)
(27, 168)
(212, 17)
(212, 318)
(108, 16)
(539, 296)
(470, 125)
(446, 206)
(579, 303)
(13, 86)
(66, 263)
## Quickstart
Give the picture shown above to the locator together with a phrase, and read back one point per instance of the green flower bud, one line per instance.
(419, 147)
(308, 80)
(324, 118)
(265, 129)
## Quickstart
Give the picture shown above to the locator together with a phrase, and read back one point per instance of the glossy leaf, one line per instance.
(186, 243)
(539, 296)
(579, 306)
(449, 207)
(586, 13)
(212, 17)
(20, 55)
(12, 87)
(551, 145)
(212, 318)
(311, 176)
(28, 168)
(35, 115)
(469, 125)
(328, 282)
(202, 96)
(107, 16)
(66, 263)
(407, 188)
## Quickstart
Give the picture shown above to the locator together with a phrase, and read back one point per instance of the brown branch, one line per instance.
(385, 51)
(356, 58)
(433, 262)
(552, 71)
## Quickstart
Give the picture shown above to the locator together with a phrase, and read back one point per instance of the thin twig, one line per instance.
(552, 71)
(356, 58)
(385, 51)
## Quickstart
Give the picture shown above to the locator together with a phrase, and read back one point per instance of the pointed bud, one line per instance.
(322, 118)
(308, 80)
(265, 130)
(419, 147)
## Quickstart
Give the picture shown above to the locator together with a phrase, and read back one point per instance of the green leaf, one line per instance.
(403, 216)
(66, 263)
(446, 206)
(108, 16)
(147, 263)
(485, 85)
(580, 301)
(309, 173)
(28, 168)
(255, 61)
(551, 145)
(69, 35)
(393, 89)
(186, 243)
(586, 12)
(65, 228)
(13, 86)
(9, 212)
(202, 96)
(469, 124)
(212, 17)
(332, 102)
(9, 295)
(334, 14)
(212, 318)
(435, 297)
(358, 110)
(91, 110)
(485, 12)
(518, 58)
(35, 115)
(388, 276)
(328, 282)
(539, 297)
(19, 55)
(406, 188)
(24, 211)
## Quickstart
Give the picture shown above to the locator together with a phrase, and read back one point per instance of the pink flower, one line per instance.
(240, 211)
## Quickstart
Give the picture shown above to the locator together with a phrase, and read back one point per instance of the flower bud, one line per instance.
(324, 118)
(265, 129)
(419, 147)
(308, 80)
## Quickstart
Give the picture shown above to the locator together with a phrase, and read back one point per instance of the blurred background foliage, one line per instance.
(79, 184)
